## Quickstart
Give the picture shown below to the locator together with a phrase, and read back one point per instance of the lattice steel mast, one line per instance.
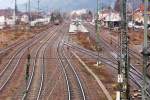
(97, 33)
(29, 13)
(123, 66)
(15, 13)
(38, 9)
(145, 52)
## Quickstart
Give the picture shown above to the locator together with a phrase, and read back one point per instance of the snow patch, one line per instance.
(74, 28)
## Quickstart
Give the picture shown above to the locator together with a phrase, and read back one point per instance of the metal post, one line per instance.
(145, 55)
(29, 13)
(132, 17)
(110, 24)
(38, 7)
(26, 9)
(97, 33)
(96, 25)
(15, 13)
(124, 57)
(38, 10)
(27, 71)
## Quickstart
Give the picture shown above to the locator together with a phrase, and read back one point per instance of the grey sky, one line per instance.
(10, 3)
(55, 4)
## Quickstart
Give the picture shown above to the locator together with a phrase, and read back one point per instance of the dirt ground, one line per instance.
(9, 36)
(84, 40)
(135, 36)
(102, 72)
(105, 73)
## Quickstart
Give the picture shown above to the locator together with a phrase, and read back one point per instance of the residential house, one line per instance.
(2, 22)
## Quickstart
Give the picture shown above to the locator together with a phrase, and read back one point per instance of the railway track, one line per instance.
(7, 73)
(75, 89)
(103, 59)
(37, 75)
(16, 48)
(136, 76)
(13, 45)
(10, 68)
(114, 51)
(93, 54)
(38, 46)
(114, 44)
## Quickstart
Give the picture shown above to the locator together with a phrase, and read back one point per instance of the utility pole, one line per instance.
(38, 10)
(124, 62)
(97, 34)
(132, 17)
(110, 23)
(15, 13)
(26, 9)
(38, 7)
(145, 52)
(29, 12)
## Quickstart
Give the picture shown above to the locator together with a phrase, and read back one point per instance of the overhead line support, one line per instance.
(124, 61)
(145, 53)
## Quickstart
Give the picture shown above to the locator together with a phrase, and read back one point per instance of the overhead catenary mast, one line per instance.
(145, 52)
(38, 7)
(15, 12)
(97, 33)
(29, 12)
(38, 13)
(124, 62)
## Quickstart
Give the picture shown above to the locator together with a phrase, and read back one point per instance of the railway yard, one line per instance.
(49, 54)
(64, 66)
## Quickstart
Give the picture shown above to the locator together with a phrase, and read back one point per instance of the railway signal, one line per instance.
(27, 70)
(27, 66)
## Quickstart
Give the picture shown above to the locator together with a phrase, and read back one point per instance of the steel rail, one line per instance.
(43, 60)
(33, 70)
(74, 71)
(64, 71)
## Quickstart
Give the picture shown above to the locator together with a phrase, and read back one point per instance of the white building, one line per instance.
(113, 17)
(25, 19)
(2, 22)
(43, 21)
(10, 22)
(110, 19)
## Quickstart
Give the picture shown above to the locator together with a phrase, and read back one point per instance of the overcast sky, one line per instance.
(10, 3)
(68, 4)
